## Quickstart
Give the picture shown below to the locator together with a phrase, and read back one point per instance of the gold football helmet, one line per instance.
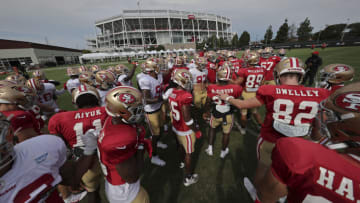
(182, 78)
(335, 74)
(252, 58)
(179, 61)
(125, 102)
(211, 56)
(87, 77)
(19, 95)
(16, 78)
(36, 85)
(224, 73)
(84, 89)
(151, 66)
(82, 69)
(95, 69)
(121, 70)
(259, 51)
(200, 63)
(289, 65)
(105, 79)
(267, 52)
(39, 75)
(340, 114)
(282, 52)
(72, 71)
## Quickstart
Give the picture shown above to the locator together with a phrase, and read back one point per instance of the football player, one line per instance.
(124, 75)
(121, 146)
(290, 108)
(310, 172)
(199, 75)
(31, 169)
(222, 112)
(73, 82)
(268, 62)
(333, 76)
(82, 69)
(251, 78)
(151, 86)
(40, 75)
(282, 53)
(16, 78)
(211, 67)
(71, 125)
(87, 78)
(94, 69)
(104, 80)
(180, 101)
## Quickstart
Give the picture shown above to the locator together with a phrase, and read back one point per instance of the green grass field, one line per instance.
(220, 180)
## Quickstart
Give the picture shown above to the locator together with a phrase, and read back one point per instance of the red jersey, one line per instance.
(290, 109)
(313, 172)
(222, 107)
(178, 99)
(237, 63)
(253, 77)
(269, 64)
(333, 88)
(117, 143)
(73, 124)
(22, 119)
(211, 77)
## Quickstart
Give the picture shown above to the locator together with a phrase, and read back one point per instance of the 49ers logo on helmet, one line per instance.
(349, 101)
(126, 98)
(341, 68)
(185, 75)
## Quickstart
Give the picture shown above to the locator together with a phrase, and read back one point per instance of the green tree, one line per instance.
(304, 30)
(268, 35)
(244, 39)
(282, 34)
(332, 32)
(221, 42)
(235, 41)
(292, 32)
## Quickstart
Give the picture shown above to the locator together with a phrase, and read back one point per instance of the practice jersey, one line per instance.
(35, 170)
(155, 87)
(74, 124)
(211, 77)
(290, 109)
(222, 107)
(46, 96)
(269, 64)
(253, 77)
(198, 76)
(178, 99)
(123, 82)
(237, 63)
(314, 173)
(72, 84)
(117, 143)
(191, 65)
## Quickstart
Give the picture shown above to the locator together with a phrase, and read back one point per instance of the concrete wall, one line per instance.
(19, 53)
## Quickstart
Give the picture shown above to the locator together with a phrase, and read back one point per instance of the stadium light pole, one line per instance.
(344, 31)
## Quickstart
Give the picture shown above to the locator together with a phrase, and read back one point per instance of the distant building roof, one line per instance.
(13, 44)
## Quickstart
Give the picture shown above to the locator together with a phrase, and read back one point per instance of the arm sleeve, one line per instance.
(261, 93)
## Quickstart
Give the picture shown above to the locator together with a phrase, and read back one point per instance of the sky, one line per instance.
(68, 23)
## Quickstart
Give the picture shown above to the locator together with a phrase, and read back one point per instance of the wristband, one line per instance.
(228, 98)
(190, 122)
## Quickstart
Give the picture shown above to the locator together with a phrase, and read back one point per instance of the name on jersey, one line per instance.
(344, 187)
(303, 93)
(222, 91)
(256, 71)
(81, 115)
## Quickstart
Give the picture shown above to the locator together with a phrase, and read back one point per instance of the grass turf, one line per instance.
(220, 180)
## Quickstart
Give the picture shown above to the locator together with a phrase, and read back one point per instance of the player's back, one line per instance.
(35, 170)
(290, 109)
(177, 99)
(214, 90)
(73, 124)
(253, 77)
(315, 173)
(198, 76)
(269, 64)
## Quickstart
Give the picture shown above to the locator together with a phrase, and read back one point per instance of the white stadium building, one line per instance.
(139, 29)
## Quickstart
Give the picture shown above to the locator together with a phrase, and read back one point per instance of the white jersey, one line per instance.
(155, 87)
(71, 84)
(47, 95)
(102, 94)
(35, 170)
(123, 82)
(140, 75)
(198, 76)
(191, 65)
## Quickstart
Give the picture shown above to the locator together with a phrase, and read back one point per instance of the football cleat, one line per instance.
(223, 153)
(157, 161)
(161, 145)
(209, 151)
(194, 178)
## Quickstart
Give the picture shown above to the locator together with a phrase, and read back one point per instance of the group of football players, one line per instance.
(308, 148)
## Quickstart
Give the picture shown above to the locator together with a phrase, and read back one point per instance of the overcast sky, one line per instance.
(68, 22)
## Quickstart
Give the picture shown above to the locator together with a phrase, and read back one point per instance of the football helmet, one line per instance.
(211, 56)
(39, 74)
(245, 53)
(151, 66)
(224, 73)
(111, 69)
(36, 85)
(252, 58)
(231, 54)
(282, 52)
(182, 78)
(125, 102)
(335, 74)
(95, 69)
(82, 69)
(289, 65)
(72, 71)
(16, 78)
(179, 61)
(7, 155)
(87, 77)
(84, 89)
(19, 95)
(340, 115)
(200, 63)
(105, 79)
(259, 51)
(121, 70)
(185, 59)
(267, 52)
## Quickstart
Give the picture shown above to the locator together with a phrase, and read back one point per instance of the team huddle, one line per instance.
(308, 148)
